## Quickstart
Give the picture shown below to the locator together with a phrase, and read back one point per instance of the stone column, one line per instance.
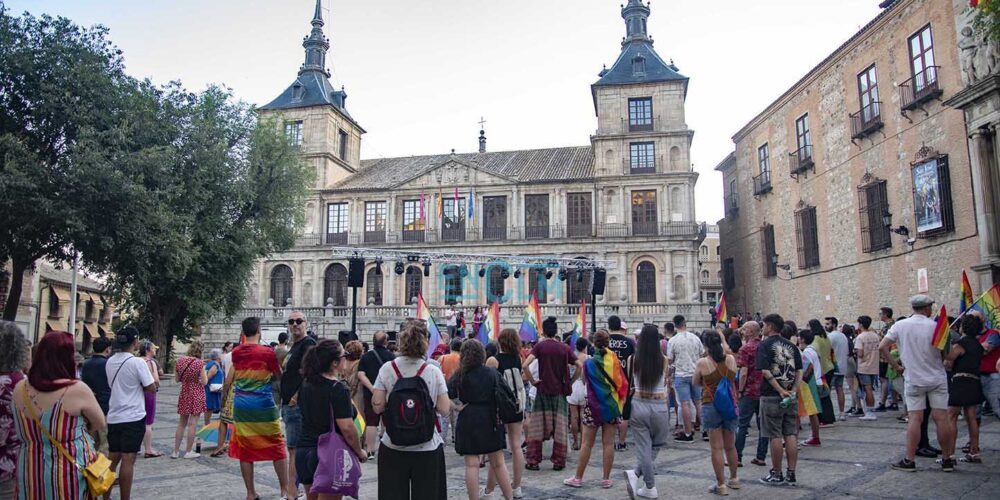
(668, 269)
(983, 154)
(390, 223)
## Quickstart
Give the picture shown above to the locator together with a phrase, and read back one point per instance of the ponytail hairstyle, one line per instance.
(713, 344)
(320, 358)
(602, 339)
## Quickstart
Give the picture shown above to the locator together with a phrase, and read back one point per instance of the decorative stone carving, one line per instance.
(979, 56)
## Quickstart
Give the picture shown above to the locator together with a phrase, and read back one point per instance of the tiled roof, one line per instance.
(65, 276)
(656, 70)
(525, 166)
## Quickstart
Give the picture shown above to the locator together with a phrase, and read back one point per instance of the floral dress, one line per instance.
(192, 397)
(9, 442)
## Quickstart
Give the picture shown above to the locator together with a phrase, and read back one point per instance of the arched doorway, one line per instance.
(281, 285)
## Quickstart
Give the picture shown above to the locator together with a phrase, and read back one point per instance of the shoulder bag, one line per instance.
(97, 473)
(216, 387)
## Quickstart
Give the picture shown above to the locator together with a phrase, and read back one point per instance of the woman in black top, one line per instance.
(508, 363)
(478, 430)
(321, 395)
(966, 392)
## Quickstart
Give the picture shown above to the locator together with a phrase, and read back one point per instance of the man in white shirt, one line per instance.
(841, 351)
(128, 377)
(925, 381)
(451, 318)
(683, 350)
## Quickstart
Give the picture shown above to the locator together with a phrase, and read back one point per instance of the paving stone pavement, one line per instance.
(853, 462)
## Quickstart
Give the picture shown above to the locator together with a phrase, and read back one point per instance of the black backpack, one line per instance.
(409, 413)
(506, 401)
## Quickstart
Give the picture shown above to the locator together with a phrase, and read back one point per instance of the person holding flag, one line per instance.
(966, 393)
(532, 321)
(579, 324)
(489, 331)
(925, 379)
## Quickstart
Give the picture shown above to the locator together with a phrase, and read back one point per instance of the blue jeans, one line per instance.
(292, 416)
(749, 408)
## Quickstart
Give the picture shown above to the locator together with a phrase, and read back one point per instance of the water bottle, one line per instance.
(787, 401)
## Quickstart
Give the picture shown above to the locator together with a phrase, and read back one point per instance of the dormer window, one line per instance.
(639, 66)
(297, 91)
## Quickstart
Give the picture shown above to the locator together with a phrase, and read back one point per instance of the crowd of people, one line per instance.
(402, 403)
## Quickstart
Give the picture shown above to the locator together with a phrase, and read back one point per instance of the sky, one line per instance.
(420, 74)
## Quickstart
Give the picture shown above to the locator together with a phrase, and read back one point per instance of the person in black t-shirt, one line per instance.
(781, 364)
(624, 348)
(95, 376)
(368, 368)
(320, 395)
(291, 380)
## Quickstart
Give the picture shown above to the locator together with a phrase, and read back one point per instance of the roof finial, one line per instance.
(482, 135)
(318, 16)
(635, 15)
(316, 44)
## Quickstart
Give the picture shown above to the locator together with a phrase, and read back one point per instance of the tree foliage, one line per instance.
(986, 17)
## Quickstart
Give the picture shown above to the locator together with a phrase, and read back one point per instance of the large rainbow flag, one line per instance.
(941, 334)
(809, 402)
(424, 313)
(966, 301)
(721, 313)
(989, 303)
(490, 329)
(532, 321)
(580, 324)
(607, 386)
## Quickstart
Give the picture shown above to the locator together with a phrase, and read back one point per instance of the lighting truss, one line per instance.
(469, 258)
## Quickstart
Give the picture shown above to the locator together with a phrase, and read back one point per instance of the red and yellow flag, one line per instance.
(941, 334)
(721, 313)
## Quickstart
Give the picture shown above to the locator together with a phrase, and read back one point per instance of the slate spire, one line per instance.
(316, 45)
(635, 15)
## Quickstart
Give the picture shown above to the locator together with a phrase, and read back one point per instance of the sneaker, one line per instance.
(811, 442)
(631, 483)
(893, 407)
(880, 408)
(704, 435)
(517, 493)
(733, 483)
(859, 412)
(851, 412)
(371, 456)
(719, 489)
(773, 478)
(558, 467)
(869, 417)
(842, 417)
(483, 495)
(948, 465)
(926, 453)
(684, 438)
(790, 478)
(645, 492)
(175, 455)
(757, 461)
(905, 465)
(531, 466)
(574, 482)
(903, 419)
(192, 454)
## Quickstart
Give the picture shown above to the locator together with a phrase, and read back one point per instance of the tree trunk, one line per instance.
(14, 292)
(161, 316)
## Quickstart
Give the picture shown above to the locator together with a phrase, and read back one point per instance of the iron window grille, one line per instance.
(645, 283)
(769, 256)
(873, 207)
(807, 237)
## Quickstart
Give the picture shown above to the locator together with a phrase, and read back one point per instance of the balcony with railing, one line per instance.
(377, 236)
(762, 183)
(711, 282)
(413, 236)
(456, 233)
(732, 205)
(336, 238)
(579, 230)
(801, 160)
(494, 233)
(866, 121)
(923, 87)
(645, 228)
(536, 232)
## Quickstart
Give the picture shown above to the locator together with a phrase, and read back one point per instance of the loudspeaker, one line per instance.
(600, 276)
(345, 336)
(356, 273)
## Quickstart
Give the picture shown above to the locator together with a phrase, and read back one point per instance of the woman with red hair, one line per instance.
(51, 402)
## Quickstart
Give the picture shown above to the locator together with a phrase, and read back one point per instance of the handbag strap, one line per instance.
(185, 370)
(113, 379)
(30, 408)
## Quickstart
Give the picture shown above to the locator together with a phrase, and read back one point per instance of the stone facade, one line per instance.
(853, 152)
(593, 202)
(710, 266)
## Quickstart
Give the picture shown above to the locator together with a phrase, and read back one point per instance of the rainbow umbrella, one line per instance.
(210, 433)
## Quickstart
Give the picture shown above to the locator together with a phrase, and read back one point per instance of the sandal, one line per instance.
(576, 446)
(152, 455)
(219, 452)
(971, 458)
(606, 483)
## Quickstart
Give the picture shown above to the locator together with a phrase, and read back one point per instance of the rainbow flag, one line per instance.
(607, 386)
(989, 303)
(424, 313)
(359, 422)
(809, 402)
(721, 314)
(490, 329)
(966, 302)
(579, 325)
(532, 321)
(941, 334)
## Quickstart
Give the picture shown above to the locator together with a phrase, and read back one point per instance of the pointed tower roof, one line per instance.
(638, 62)
(312, 87)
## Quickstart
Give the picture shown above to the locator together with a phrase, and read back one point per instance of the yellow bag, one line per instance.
(100, 478)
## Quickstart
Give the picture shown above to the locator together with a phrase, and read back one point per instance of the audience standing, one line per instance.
(131, 379)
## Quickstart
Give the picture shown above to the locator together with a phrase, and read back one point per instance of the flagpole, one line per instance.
(973, 304)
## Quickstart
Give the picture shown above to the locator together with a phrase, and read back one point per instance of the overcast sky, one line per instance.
(420, 73)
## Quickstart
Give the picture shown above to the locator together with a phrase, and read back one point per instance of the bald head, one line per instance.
(379, 339)
(751, 329)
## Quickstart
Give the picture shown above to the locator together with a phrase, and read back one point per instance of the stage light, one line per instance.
(399, 268)
(463, 271)
(579, 275)
(482, 272)
(562, 275)
(517, 274)
(378, 266)
(504, 274)
(548, 275)
(427, 268)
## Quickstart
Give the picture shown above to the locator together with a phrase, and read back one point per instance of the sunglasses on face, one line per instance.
(296, 321)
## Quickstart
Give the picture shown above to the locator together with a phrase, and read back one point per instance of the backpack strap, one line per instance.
(396, 369)
(419, 370)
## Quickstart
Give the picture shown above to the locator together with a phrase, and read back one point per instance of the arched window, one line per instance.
(645, 283)
(578, 285)
(335, 285)
(452, 284)
(373, 288)
(538, 283)
(704, 251)
(704, 275)
(281, 285)
(414, 284)
(495, 286)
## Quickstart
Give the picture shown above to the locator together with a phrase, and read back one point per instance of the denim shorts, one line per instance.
(306, 461)
(711, 419)
(867, 379)
(292, 417)
(686, 390)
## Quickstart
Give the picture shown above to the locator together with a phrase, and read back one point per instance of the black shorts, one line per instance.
(127, 437)
(882, 368)
(371, 418)
(627, 409)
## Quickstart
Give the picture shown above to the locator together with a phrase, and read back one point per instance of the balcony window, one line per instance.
(336, 224)
(644, 213)
(732, 205)
(414, 284)
(536, 216)
(452, 284)
(373, 288)
(642, 158)
(640, 114)
(375, 221)
(281, 285)
(413, 221)
(807, 237)
(538, 283)
(762, 181)
(924, 84)
(335, 285)
(495, 218)
(769, 255)
(495, 286)
(453, 219)
(579, 214)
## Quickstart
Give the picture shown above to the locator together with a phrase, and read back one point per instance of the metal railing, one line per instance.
(579, 230)
(920, 89)
(762, 183)
(801, 160)
(536, 232)
(413, 236)
(453, 233)
(375, 236)
(336, 238)
(867, 120)
(494, 233)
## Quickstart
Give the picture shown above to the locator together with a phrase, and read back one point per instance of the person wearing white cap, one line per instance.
(925, 381)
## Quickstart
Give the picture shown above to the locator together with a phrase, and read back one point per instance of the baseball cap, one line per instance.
(921, 301)
(126, 336)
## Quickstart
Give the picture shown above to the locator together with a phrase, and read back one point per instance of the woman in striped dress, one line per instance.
(52, 401)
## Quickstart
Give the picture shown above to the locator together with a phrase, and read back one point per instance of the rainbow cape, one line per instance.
(424, 313)
(941, 334)
(607, 386)
(809, 403)
(489, 330)
(966, 300)
(532, 321)
(721, 313)
(579, 325)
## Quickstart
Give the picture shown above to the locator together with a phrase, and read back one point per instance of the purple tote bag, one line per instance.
(339, 471)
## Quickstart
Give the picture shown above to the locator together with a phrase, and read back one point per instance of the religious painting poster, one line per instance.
(927, 197)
